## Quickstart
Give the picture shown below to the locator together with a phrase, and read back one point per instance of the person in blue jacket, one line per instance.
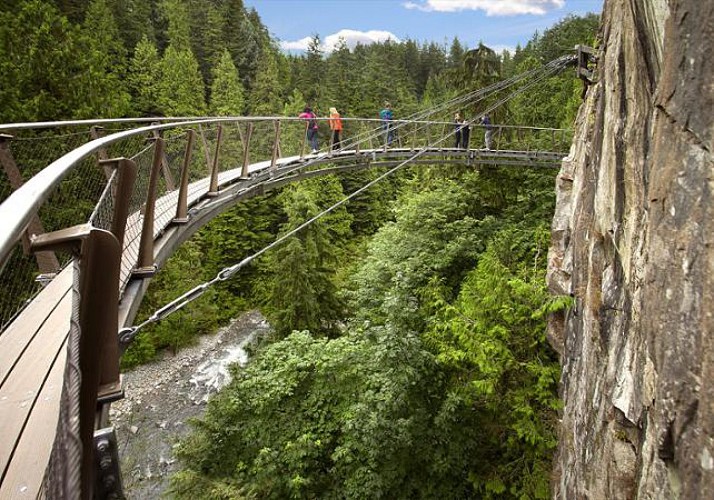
(386, 115)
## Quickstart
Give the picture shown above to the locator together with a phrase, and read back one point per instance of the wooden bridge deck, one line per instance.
(33, 347)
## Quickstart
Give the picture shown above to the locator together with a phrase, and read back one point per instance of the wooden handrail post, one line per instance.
(93, 342)
(213, 188)
(182, 203)
(276, 146)
(359, 136)
(145, 265)
(246, 151)
(47, 261)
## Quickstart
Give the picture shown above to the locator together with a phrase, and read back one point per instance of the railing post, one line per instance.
(126, 177)
(46, 260)
(165, 170)
(276, 146)
(102, 155)
(145, 265)
(213, 188)
(246, 151)
(182, 203)
(93, 343)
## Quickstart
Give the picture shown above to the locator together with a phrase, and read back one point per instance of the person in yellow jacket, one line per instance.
(336, 127)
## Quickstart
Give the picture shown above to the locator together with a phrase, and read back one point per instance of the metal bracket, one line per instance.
(107, 484)
(586, 57)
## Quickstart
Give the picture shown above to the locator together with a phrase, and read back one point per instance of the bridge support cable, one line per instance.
(126, 335)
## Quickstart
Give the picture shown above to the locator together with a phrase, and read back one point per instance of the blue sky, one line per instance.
(498, 23)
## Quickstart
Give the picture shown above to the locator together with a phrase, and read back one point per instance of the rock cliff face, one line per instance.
(632, 243)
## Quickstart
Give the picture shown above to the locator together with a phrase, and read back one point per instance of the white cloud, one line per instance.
(351, 38)
(490, 7)
(296, 45)
(498, 49)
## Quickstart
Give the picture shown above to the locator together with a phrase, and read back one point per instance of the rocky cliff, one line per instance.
(631, 243)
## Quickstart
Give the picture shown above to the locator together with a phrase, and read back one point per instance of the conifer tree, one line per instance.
(264, 97)
(227, 90)
(144, 78)
(181, 88)
(39, 60)
(104, 82)
(301, 294)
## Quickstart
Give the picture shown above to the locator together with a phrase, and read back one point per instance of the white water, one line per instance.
(213, 374)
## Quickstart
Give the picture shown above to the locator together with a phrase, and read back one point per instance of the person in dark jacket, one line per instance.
(311, 118)
(465, 133)
(458, 127)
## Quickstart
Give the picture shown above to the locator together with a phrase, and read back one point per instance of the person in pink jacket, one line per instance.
(311, 118)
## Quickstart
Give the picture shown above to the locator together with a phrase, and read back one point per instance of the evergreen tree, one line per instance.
(265, 97)
(104, 79)
(227, 90)
(180, 88)
(40, 58)
(301, 294)
(145, 78)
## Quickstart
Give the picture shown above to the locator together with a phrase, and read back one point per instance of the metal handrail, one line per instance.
(17, 210)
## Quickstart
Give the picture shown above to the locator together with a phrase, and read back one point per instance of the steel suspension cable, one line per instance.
(126, 335)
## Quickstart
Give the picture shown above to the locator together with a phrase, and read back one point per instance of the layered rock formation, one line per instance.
(632, 243)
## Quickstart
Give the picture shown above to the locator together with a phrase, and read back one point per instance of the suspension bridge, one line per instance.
(92, 209)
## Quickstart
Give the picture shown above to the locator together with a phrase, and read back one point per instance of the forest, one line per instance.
(408, 357)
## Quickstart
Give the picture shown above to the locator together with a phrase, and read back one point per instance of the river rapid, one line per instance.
(161, 396)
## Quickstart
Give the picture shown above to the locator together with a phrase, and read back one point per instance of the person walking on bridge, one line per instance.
(386, 115)
(486, 122)
(311, 118)
(458, 124)
(465, 133)
(336, 127)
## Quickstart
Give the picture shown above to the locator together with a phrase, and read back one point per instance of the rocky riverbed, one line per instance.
(163, 395)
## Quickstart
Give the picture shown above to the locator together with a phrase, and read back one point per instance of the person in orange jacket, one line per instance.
(336, 127)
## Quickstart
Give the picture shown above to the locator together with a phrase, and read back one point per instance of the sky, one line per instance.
(500, 24)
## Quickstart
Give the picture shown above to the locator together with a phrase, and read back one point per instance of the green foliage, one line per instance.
(493, 344)
(49, 67)
(227, 90)
(300, 292)
(182, 272)
(104, 79)
(313, 418)
(180, 90)
(265, 97)
(144, 77)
